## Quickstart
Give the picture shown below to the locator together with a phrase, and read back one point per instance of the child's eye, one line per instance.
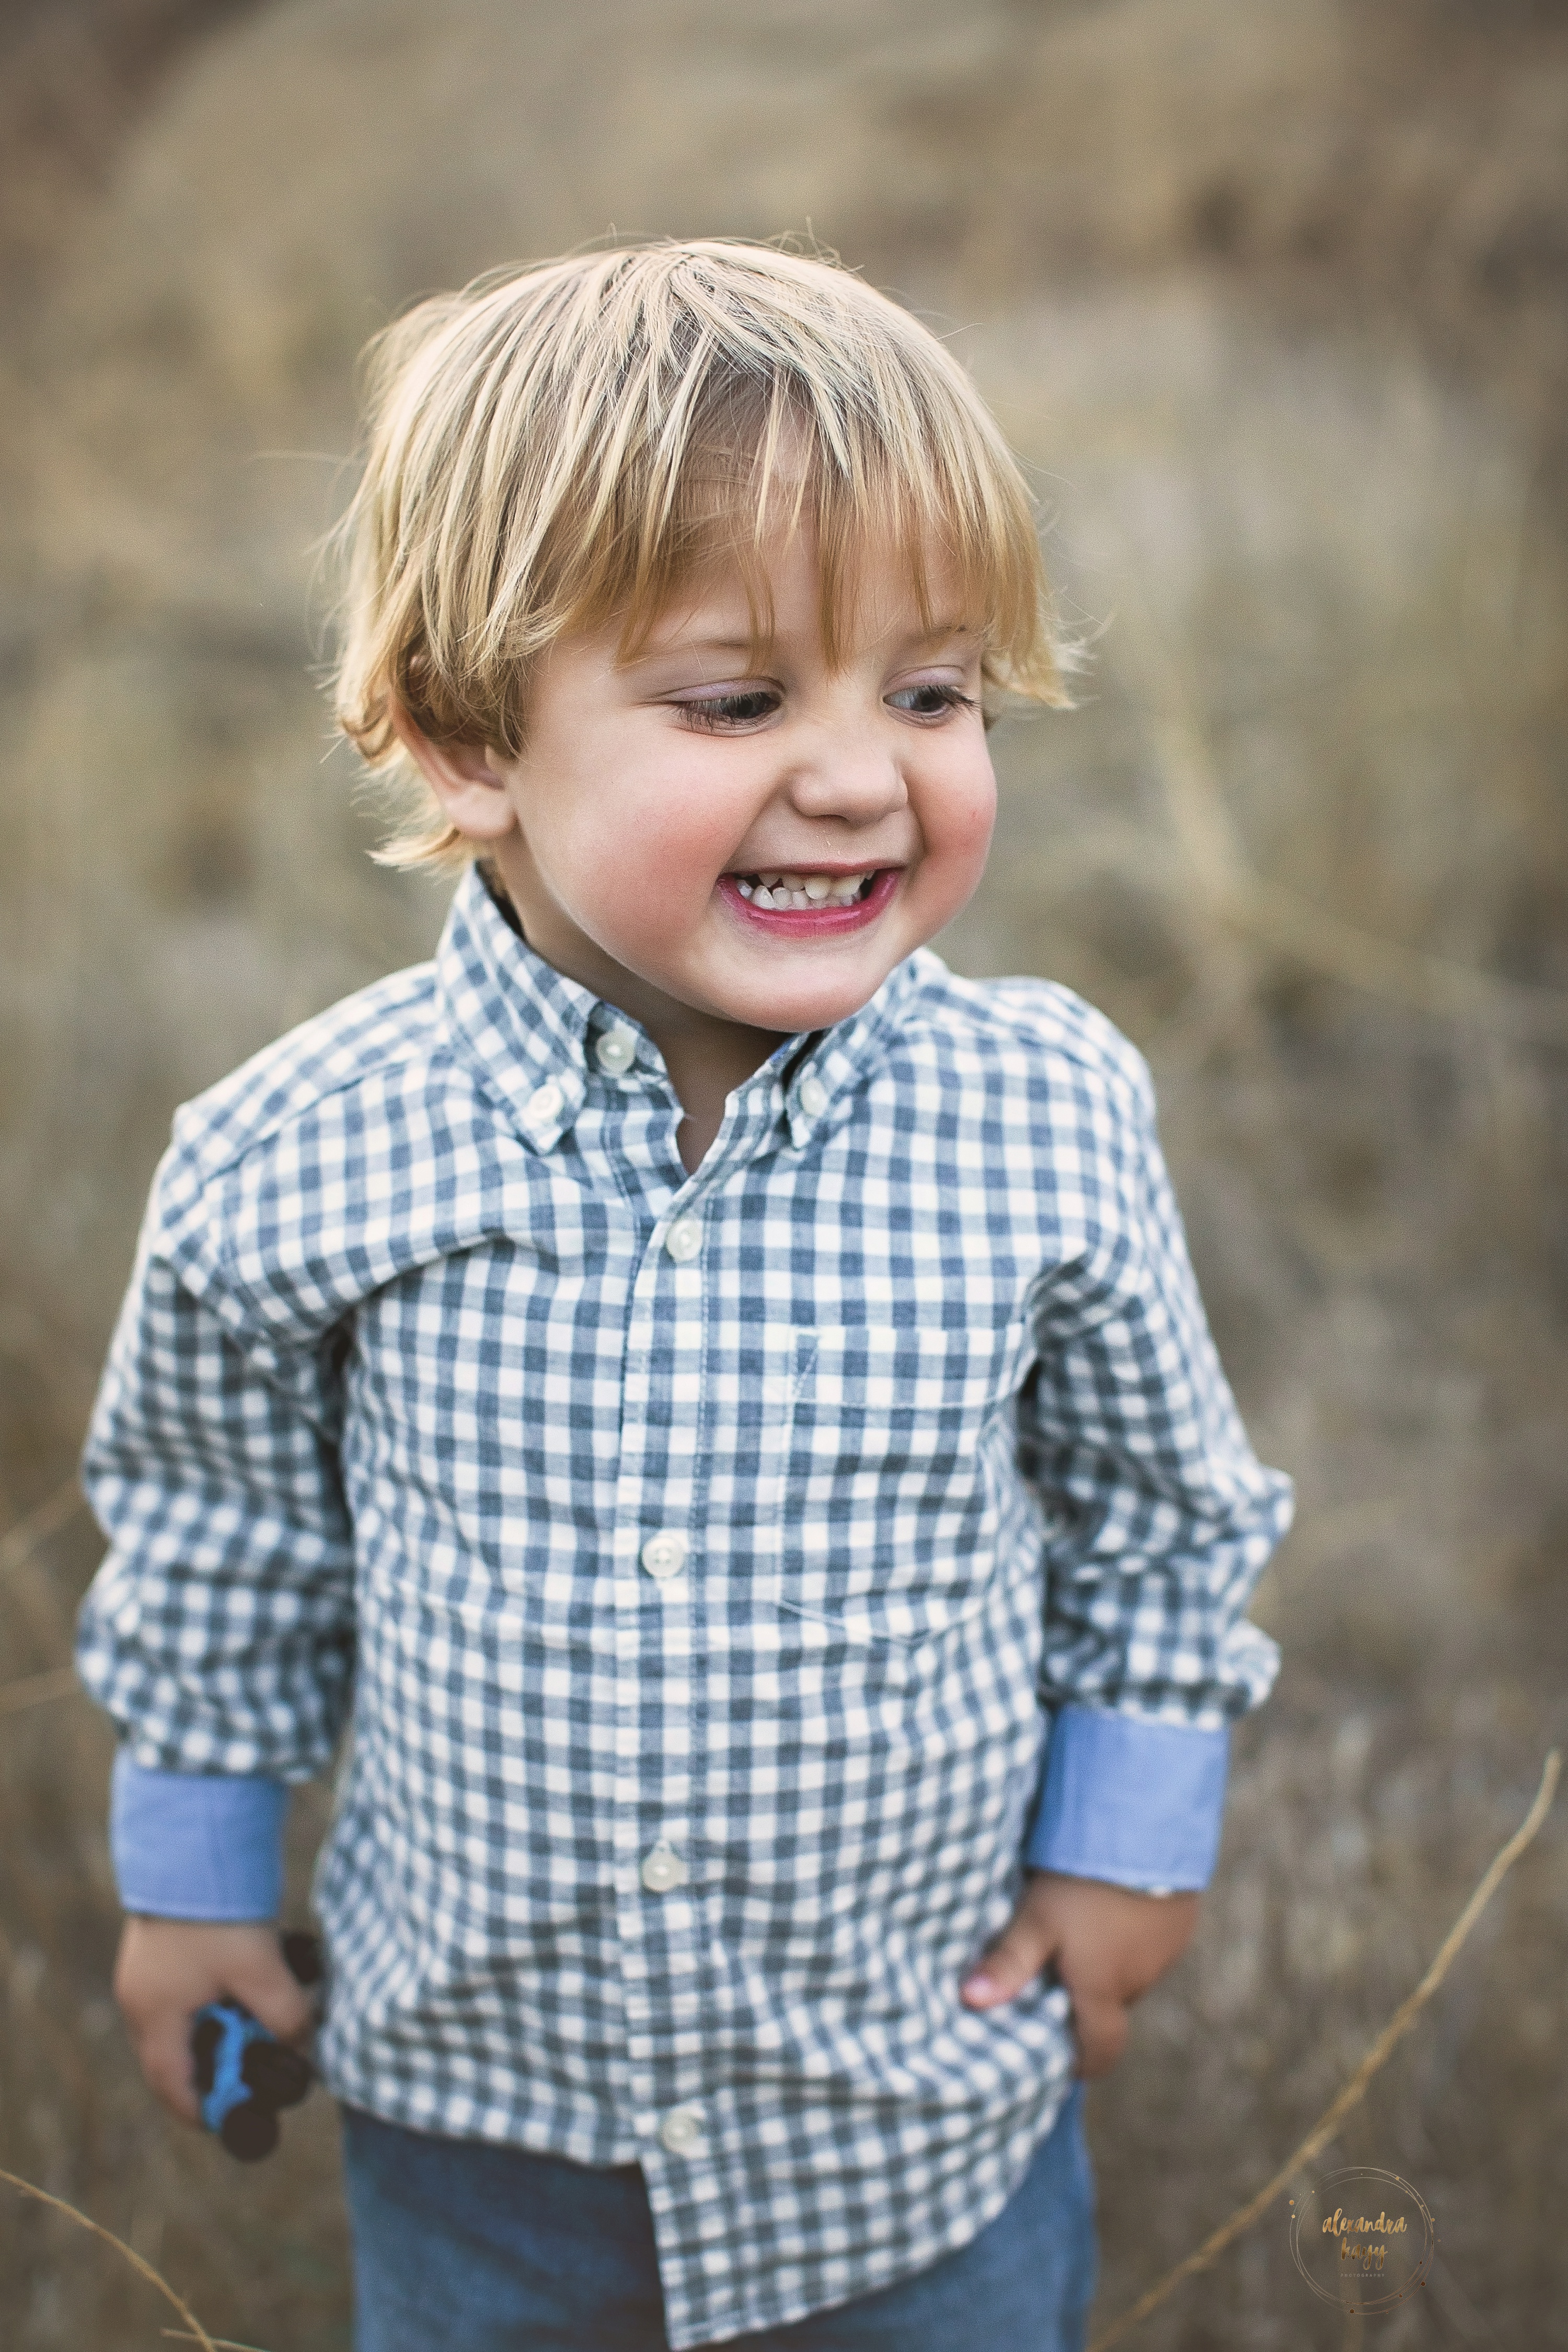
(719, 712)
(931, 699)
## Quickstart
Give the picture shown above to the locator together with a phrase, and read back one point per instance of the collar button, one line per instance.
(616, 1050)
(812, 1096)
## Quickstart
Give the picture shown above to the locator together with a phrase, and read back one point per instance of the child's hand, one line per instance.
(168, 1968)
(1108, 1945)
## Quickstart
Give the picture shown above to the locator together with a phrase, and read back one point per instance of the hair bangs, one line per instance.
(571, 447)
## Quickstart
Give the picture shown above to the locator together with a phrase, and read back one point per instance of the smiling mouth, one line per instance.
(805, 893)
(796, 902)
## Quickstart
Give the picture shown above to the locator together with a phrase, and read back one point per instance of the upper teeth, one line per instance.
(802, 890)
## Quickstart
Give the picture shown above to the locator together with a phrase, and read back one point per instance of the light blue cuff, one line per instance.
(1134, 1802)
(196, 1845)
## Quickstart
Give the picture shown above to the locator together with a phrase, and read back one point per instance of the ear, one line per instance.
(466, 778)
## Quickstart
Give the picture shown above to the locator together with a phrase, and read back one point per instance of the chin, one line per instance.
(795, 1010)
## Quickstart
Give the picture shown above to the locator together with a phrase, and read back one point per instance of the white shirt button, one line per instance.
(546, 1102)
(616, 1050)
(681, 2131)
(812, 1096)
(664, 1555)
(684, 1240)
(662, 1869)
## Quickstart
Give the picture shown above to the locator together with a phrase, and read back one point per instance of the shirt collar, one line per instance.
(527, 1031)
(835, 1061)
(523, 1026)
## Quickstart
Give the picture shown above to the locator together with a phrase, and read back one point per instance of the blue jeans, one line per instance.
(460, 2246)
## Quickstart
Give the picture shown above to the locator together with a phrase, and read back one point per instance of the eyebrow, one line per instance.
(702, 645)
(937, 636)
(942, 630)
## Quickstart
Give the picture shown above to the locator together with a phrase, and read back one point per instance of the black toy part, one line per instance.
(244, 2075)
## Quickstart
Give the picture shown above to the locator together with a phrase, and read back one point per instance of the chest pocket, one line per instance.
(896, 1455)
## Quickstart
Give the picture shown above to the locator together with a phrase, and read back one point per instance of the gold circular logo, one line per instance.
(1362, 2238)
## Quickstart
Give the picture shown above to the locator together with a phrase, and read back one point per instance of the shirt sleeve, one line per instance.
(196, 1845)
(1159, 1521)
(218, 1632)
(1134, 1802)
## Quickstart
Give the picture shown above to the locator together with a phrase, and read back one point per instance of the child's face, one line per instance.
(643, 831)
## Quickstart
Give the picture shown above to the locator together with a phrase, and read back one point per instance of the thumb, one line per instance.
(1007, 1966)
(264, 1981)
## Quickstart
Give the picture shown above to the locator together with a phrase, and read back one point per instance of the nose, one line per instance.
(855, 777)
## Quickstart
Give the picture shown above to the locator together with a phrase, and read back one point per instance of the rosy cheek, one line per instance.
(983, 813)
(957, 847)
(650, 899)
(972, 819)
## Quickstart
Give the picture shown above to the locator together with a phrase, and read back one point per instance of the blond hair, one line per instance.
(558, 449)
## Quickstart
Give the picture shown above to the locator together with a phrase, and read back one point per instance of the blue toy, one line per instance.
(244, 2075)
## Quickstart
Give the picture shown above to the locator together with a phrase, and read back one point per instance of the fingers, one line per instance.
(167, 1969)
(263, 1983)
(1108, 1945)
(1100, 2027)
(154, 1996)
(163, 2053)
(1099, 2021)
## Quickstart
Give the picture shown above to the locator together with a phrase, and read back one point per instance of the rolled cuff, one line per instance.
(196, 1845)
(1131, 1800)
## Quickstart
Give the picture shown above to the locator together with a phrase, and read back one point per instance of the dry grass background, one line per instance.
(1273, 298)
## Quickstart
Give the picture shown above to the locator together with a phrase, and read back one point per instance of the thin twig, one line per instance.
(58, 2204)
(45, 1519)
(15, 1550)
(37, 1690)
(1232, 897)
(224, 2342)
(1454, 991)
(1232, 892)
(1329, 2122)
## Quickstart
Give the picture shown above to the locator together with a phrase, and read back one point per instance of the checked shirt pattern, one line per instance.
(697, 1559)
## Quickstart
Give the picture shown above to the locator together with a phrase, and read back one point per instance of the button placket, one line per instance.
(657, 1919)
(662, 1869)
(664, 1555)
(681, 2131)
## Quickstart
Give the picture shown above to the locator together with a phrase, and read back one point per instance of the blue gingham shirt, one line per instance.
(703, 1562)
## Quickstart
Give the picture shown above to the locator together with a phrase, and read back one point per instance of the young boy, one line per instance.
(719, 1403)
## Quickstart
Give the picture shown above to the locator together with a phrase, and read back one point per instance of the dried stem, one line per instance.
(224, 2342)
(15, 1550)
(59, 2205)
(1234, 893)
(45, 1519)
(37, 1690)
(1328, 2124)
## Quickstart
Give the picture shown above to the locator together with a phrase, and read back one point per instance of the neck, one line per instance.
(707, 1058)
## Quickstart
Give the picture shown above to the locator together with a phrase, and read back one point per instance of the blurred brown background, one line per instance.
(1272, 297)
